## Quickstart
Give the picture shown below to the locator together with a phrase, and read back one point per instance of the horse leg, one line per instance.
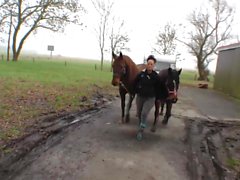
(156, 115)
(129, 105)
(122, 95)
(162, 106)
(168, 112)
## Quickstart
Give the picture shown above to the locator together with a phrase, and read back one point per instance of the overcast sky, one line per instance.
(143, 19)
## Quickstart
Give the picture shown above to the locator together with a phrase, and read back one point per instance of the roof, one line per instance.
(228, 47)
(166, 58)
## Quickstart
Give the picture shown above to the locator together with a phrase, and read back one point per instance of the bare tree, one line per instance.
(210, 29)
(9, 35)
(6, 23)
(103, 9)
(166, 40)
(29, 16)
(3, 18)
(118, 38)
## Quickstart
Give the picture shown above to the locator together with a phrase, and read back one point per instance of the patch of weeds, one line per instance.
(58, 99)
(13, 132)
(233, 163)
(6, 150)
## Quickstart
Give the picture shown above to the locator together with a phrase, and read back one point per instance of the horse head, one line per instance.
(119, 68)
(172, 83)
(173, 79)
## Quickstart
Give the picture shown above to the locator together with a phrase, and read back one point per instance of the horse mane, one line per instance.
(132, 69)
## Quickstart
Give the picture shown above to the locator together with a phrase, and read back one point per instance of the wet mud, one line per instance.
(213, 146)
(45, 134)
(213, 149)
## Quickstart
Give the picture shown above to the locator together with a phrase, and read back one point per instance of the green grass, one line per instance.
(30, 89)
(188, 77)
(49, 72)
(233, 163)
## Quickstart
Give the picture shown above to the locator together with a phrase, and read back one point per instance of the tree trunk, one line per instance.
(15, 56)
(14, 50)
(9, 38)
(111, 69)
(201, 71)
(101, 60)
(201, 74)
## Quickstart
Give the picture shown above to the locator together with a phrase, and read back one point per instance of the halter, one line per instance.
(123, 73)
(172, 93)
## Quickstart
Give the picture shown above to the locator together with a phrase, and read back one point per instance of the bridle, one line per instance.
(123, 73)
(120, 75)
(172, 92)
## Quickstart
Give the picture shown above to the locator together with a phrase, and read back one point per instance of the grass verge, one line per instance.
(30, 89)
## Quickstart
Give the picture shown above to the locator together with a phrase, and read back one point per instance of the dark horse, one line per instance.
(124, 74)
(170, 77)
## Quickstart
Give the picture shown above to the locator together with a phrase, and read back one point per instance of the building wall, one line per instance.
(227, 75)
(164, 65)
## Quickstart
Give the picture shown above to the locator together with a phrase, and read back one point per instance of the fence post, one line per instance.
(2, 57)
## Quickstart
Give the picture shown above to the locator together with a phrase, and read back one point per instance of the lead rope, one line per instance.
(121, 84)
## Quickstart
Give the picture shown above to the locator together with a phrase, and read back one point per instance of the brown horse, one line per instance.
(124, 74)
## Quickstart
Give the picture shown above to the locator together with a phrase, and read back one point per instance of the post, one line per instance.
(51, 49)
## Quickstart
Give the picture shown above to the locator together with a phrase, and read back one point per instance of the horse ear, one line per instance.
(179, 72)
(114, 55)
(121, 54)
(169, 70)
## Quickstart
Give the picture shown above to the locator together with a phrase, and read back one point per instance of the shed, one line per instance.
(227, 74)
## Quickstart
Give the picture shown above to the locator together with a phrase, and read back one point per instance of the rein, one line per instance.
(123, 86)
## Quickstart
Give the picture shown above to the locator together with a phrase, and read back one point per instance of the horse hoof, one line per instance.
(120, 122)
(164, 122)
(153, 129)
(127, 119)
(139, 135)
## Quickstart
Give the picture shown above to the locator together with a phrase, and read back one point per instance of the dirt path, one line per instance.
(98, 148)
(101, 149)
(212, 104)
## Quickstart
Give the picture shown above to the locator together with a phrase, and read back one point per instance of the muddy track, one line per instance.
(212, 146)
(213, 149)
(50, 131)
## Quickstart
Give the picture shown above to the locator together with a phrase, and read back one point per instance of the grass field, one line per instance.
(33, 87)
(30, 89)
